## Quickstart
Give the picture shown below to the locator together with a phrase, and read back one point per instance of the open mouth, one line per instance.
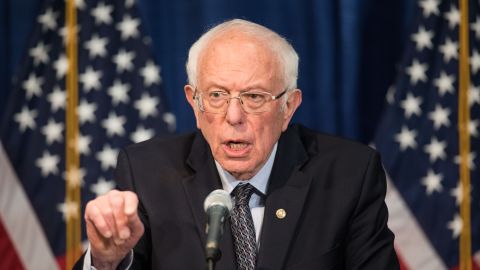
(237, 149)
(236, 146)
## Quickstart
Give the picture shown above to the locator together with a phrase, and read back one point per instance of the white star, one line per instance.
(53, 131)
(86, 112)
(123, 60)
(102, 186)
(57, 99)
(80, 4)
(129, 3)
(453, 17)
(83, 144)
(471, 159)
(102, 13)
(433, 182)
(429, 7)
(128, 27)
(48, 20)
(61, 66)
(74, 177)
(476, 27)
(440, 117)
(475, 62)
(147, 105)
(423, 38)
(171, 121)
(114, 124)
(119, 92)
(107, 157)
(33, 86)
(96, 46)
(411, 105)
(69, 210)
(141, 134)
(48, 164)
(151, 74)
(91, 79)
(455, 226)
(457, 193)
(449, 50)
(26, 118)
(444, 83)
(473, 128)
(473, 95)
(39, 53)
(417, 72)
(436, 149)
(406, 138)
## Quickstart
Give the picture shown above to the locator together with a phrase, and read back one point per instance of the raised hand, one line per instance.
(113, 227)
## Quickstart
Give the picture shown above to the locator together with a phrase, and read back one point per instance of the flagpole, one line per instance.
(72, 200)
(465, 262)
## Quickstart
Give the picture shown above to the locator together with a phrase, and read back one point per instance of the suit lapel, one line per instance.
(197, 186)
(287, 190)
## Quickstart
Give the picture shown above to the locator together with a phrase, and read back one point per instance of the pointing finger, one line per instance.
(117, 203)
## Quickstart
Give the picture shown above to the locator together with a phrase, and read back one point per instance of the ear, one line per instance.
(189, 94)
(294, 100)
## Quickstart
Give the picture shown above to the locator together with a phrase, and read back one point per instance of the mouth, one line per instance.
(236, 148)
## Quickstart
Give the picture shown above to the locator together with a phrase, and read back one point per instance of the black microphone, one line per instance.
(217, 205)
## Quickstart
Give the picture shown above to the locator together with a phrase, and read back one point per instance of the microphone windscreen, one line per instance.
(218, 197)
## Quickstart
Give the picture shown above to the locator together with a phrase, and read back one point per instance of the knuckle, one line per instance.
(113, 192)
(106, 211)
(101, 226)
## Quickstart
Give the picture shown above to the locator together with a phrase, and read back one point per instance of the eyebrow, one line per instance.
(250, 88)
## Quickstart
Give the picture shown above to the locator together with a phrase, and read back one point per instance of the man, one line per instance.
(317, 203)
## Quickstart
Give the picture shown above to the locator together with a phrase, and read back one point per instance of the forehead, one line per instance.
(237, 58)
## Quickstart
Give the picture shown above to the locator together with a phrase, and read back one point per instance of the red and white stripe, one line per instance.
(23, 230)
(415, 250)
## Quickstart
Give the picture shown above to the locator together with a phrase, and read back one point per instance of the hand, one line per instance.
(113, 227)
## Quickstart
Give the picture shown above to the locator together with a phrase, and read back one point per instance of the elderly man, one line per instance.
(312, 201)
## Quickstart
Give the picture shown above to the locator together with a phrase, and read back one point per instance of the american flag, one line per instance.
(120, 102)
(419, 140)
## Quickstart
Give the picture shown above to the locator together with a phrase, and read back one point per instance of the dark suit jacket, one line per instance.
(331, 189)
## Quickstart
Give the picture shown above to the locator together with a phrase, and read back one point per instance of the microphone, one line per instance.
(218, 206)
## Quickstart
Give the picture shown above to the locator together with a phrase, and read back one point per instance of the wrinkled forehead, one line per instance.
(234, 50)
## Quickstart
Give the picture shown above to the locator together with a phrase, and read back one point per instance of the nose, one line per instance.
(235, 114)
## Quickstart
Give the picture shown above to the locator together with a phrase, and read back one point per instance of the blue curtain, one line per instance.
(348, 50)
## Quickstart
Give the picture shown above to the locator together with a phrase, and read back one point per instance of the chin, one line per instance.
(238, 168)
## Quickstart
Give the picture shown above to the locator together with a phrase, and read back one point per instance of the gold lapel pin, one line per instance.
(281, 213)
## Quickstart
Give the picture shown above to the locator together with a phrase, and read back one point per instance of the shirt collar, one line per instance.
(259, 180)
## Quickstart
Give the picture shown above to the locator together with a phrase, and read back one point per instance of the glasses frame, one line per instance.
(199, 100)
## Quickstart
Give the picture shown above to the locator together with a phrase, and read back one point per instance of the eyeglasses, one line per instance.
(216, 101)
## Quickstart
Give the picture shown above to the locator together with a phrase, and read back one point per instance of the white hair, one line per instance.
(287, 57)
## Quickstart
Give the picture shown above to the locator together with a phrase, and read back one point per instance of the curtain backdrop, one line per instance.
(348, 50)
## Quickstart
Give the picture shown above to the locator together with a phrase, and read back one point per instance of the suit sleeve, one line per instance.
(124, 176)
(370, 241)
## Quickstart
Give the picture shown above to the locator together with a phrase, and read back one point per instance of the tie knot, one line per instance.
(242, 194)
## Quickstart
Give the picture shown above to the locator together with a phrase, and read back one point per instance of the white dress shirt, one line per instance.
(259, 182)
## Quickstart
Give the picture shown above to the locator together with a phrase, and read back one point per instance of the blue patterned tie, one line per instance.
(243, 228)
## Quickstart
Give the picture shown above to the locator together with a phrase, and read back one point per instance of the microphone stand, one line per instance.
(210, 264)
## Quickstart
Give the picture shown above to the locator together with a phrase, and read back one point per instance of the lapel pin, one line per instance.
(281, 213)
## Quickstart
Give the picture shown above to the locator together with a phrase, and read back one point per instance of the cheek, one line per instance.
(209, 126)
(267, 132)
